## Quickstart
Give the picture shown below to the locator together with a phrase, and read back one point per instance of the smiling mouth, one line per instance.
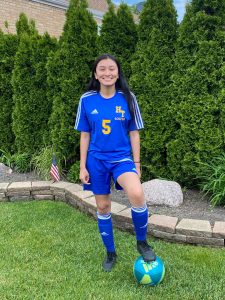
(107, 79)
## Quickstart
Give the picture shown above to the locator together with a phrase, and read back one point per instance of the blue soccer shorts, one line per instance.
(101, 172)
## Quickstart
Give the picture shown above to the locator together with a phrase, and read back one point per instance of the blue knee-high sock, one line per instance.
(106, 230)
(140, 221)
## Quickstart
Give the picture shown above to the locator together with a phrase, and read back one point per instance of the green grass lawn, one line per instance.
(49, 250)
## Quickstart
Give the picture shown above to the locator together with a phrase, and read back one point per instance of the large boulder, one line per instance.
(4, 169)
(163, 192)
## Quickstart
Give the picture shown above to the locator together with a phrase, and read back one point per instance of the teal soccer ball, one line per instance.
(151, 273)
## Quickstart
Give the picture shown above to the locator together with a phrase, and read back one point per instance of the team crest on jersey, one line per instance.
(119, 110)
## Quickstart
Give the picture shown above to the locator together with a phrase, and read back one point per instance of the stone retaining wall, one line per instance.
(191, 231)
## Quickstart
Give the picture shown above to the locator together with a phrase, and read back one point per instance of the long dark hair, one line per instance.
(121, 83)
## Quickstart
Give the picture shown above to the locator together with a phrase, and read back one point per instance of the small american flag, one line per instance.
(54, 172)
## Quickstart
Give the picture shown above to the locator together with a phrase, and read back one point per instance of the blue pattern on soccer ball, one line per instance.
(151, 273)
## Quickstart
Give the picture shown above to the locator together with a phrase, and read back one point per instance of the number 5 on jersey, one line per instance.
(105, 125)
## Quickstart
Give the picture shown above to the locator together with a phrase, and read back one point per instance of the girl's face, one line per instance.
(106, 72)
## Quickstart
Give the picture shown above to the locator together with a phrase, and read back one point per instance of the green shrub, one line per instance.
(74, 173)
(6, 158)
(68, 73)
(42, 162)
(213, 182)
(32, 108)
(22, 162)
(119, 35)
(19, 162)
(152, 67)
(8, 48)
(198, 79)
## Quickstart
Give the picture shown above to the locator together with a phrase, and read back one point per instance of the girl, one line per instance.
(108, 117)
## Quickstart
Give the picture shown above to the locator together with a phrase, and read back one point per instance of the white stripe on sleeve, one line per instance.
(78, 114)
(89, 93)
(137, 114)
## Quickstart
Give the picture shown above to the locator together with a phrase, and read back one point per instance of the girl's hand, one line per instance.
(84, 176)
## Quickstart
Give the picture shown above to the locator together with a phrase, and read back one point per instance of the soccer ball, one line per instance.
(151, 273)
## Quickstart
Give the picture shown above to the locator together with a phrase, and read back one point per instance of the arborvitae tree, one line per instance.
(107, 39)
(152, 67)
(197, 84)
(68, 72)
(8, 48)
(23, 25)
(119, 35)
(31, 106)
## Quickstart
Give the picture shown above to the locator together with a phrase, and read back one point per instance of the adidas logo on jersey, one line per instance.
(94, 112)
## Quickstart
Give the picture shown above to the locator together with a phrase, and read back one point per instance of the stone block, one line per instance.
(89, 201)
(41, 192)
(81, 205)
(18, 193)
(192, 227)
(219, 230)
(83, 194)
(60, 198)
(162, 223)
(75, 198)
(60, 185)
(19, 186)
(3, 187)
(19, 198)
(41, 185)
(117, 207)
(43, 197)
(88, 205)
(123, 216)
(72, 200)
(205, 241)
(122, 225)
(167, 236)
(92, 212)
(3, 198)
(73, 188)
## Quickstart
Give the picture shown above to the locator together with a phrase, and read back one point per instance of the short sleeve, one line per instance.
(136, 122)
(81, 123)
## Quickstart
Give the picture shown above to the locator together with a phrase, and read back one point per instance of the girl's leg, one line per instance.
(131, 184)
(106, 229)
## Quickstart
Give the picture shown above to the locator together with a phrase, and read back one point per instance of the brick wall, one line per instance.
(47, 18)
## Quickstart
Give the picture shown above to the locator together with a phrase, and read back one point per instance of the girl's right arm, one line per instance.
(84, 144)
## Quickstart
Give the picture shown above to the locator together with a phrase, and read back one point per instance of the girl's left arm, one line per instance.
(135, 145)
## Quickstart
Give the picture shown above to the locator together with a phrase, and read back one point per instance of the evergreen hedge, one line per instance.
(31, 106)
(8, 48)
(119, 35)
(197, 85)
(152, 68)
(179, 83)
(68, 73)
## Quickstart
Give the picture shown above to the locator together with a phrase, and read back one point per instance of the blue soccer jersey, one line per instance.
(109, 122)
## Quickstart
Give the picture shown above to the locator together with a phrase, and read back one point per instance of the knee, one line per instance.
(103, 208)
(137, 198)
(137, 194)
